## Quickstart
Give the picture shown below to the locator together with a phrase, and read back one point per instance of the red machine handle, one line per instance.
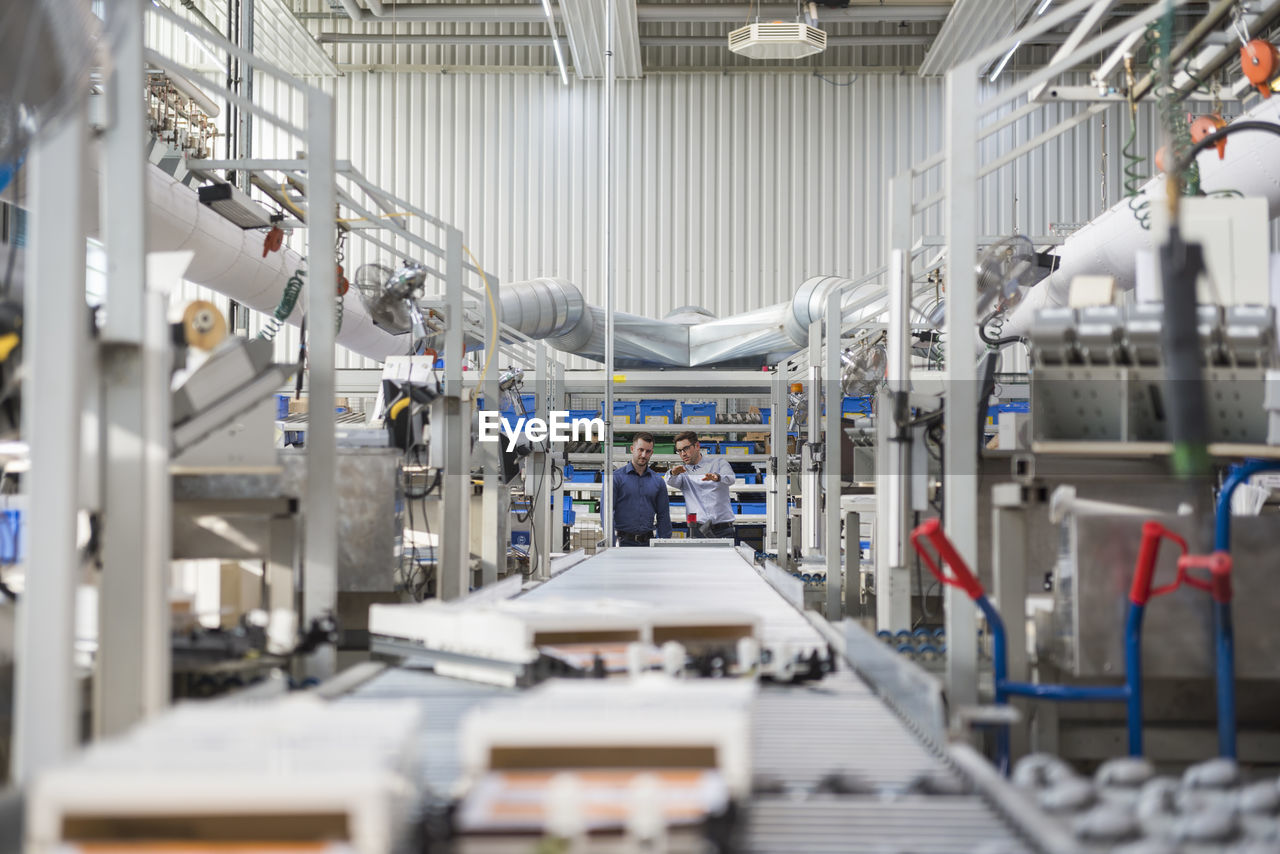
(1152, 533)
(1219, 566)
(961, 576)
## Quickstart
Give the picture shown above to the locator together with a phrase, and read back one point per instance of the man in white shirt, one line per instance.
(705, 482)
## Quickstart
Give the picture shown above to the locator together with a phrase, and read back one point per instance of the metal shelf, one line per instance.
(697, 428)
(736, 487)
(752, 519)
(667, 458)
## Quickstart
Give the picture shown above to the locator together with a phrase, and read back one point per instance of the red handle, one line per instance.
(1219, 566)
(1152, 533)
(961, 576)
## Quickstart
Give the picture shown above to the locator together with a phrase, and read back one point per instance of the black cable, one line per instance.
(13, 231)
(996, 342)
(1212, 139)
(928, 417)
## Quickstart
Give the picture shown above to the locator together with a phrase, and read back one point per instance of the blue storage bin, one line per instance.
(624, 411)
(698, 413)
(857, 405)
(733, 449)
(580, 476)
(569, 516)
(13, 543)
(577, 414)
(993, 412)
(752, 508)
(282, 406)
(528, 400)
(764, 414)
(657, 412)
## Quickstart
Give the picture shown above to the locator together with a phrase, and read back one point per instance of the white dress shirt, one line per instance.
(709, 499)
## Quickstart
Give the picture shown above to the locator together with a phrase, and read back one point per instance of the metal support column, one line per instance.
(893, 482)
(545, 525)
(831, 458)
(556, 543)
(610, 267)
(495, 501)
(1009, 580)
(453, 574)
(778, 464)
(46, 702)
(960, 489)
(320, 575)
(132, 665)
(852, 562)
(244, 133)
(896, 503)
(810, 530)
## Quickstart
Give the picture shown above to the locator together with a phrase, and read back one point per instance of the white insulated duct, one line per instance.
(229, 260)
(1108, 244)
(555, 309)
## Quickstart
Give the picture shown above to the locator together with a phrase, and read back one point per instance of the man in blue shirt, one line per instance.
(640, 494)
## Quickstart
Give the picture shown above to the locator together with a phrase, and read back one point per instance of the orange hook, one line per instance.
(1260, 62)
(1205, 125)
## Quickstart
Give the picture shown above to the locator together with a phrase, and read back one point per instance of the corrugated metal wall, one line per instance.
(733, 187)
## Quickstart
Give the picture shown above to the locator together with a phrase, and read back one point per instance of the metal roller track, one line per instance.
(444, 704)
(848, 825)
(717, 579)
(835, 769)
(804, 735)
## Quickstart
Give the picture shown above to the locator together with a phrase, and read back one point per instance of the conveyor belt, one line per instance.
(809, 732)
(711, 578)
(958, 824)
(444, 703)
(835, 768)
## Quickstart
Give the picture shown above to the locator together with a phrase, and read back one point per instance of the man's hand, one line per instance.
(677, 470)
(711, 476)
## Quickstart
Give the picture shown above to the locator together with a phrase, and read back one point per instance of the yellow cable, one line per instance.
(382, 216)
(7, 345)
(284, 197)
(396, 408)
(493, 311)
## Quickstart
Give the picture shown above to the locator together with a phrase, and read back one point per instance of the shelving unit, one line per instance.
(752, 519)
(596, 487)
(621, 457)
(697, 428)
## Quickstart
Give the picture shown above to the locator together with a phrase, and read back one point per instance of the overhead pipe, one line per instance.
(464, 13)
(445, 13)
(498, 40)
(441, 39)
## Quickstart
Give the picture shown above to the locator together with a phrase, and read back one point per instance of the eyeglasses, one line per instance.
(685, 448)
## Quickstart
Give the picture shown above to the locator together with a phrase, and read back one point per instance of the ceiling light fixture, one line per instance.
(1004, 60)
(555, 41)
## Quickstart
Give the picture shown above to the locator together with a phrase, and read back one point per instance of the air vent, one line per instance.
(777, 40)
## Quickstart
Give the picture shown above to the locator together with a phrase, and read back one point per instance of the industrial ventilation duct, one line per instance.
(229, 260)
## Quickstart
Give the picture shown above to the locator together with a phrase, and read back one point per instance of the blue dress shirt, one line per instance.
(637, 499)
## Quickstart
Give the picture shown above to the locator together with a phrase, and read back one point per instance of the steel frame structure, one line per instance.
(132, 669)
(965, 109)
